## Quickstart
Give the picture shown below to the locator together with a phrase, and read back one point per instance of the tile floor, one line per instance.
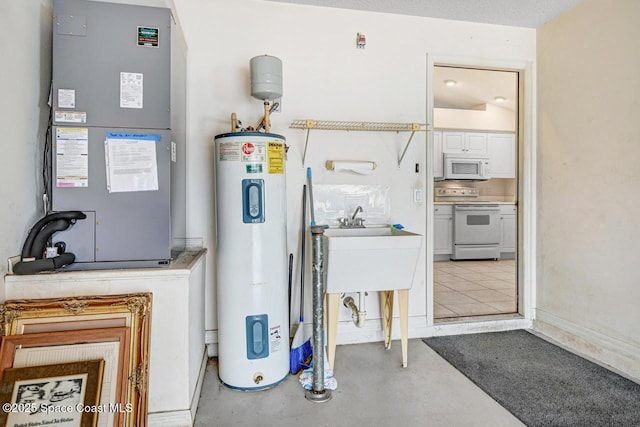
(474, 288)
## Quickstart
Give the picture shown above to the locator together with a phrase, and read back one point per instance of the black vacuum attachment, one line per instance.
(32, 259)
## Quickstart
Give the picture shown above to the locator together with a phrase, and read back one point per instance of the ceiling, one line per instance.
(474, 88)
(516, 13)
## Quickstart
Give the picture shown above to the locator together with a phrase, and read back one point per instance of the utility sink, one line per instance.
(370, 259)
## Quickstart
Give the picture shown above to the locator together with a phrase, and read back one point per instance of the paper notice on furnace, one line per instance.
(72, 157)
(131, 90)
(131, 162)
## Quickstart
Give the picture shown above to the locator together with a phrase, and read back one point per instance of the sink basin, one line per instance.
(370, 259)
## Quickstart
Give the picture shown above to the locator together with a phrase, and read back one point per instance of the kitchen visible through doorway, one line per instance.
(475, 115)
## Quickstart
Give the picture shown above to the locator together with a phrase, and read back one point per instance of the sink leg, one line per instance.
(403, 305)
(333, 309)
(386, 303)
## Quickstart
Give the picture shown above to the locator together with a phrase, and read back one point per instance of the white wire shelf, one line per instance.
(358, 127)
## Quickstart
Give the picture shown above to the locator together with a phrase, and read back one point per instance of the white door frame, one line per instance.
(526, 201)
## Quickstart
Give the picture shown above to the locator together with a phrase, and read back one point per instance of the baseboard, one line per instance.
(183, 417)
(617, 355)
(211, 341)
(171, 419)
(195, 399)
(372, 331)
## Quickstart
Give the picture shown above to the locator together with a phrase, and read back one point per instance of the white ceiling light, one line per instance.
(450, 82)
(500, 99)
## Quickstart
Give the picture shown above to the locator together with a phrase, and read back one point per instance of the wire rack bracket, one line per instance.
(358, 127)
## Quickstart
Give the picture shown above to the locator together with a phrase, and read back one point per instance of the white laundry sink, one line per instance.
(370, 259)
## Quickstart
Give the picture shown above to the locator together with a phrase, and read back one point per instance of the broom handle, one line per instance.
(313, 216)
(304, 239)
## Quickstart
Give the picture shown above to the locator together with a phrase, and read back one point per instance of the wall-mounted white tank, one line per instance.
(266, 77)
(253, 314)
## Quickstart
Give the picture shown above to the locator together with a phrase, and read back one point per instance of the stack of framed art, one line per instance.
(77, 361)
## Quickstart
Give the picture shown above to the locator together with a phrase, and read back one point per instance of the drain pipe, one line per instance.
(318, 394)
(358, 315)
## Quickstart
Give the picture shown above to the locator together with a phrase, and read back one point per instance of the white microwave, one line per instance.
(465, 167)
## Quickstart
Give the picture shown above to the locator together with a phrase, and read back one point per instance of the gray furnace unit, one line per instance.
(111, 146)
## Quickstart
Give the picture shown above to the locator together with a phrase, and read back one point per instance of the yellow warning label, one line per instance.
(275, 157)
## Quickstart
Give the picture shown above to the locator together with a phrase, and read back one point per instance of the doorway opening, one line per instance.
(475, 122)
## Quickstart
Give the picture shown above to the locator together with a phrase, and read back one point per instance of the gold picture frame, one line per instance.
(110, 344)
(52, 394)
(18, 317)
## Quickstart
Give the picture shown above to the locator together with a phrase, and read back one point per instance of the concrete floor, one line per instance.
(373, 390)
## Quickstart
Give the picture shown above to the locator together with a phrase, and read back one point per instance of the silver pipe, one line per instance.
(318, 393)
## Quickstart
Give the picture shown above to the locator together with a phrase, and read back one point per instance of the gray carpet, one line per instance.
(540, 383)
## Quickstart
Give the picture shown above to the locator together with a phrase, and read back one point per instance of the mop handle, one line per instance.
(313, 216)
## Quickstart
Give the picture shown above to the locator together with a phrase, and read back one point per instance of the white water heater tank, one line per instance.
(252, 285)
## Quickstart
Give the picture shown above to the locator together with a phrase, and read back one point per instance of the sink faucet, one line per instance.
(355, 212)
(352, 221)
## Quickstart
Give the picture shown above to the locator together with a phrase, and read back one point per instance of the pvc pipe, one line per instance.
(362, 313)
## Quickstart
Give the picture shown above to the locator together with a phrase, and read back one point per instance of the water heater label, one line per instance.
(275, 338)
(253, 152)
(229, 151)
(275, 157)
(254, 168)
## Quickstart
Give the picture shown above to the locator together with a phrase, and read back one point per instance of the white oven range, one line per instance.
(476, 231)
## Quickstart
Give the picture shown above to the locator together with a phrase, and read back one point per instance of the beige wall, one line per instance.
(588, 176)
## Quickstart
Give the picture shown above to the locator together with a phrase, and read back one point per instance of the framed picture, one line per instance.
(18, 317)
(109, 344)
(55, 395)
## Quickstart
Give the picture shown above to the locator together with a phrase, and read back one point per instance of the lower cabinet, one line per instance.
(443, 229)
(508, 224)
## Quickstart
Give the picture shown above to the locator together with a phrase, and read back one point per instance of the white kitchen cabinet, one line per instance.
(502, 154)
(508, 225)
(475, 143)
(457, 142)
(452, 142)
(443, 229)
(438, 169)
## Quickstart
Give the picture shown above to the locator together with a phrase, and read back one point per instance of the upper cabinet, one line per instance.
(499, 147)
(502, 154)
(464, 142)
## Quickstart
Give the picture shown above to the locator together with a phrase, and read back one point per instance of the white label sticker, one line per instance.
(66, 98)
(275, 338)
(72, 157)
(70, 117)
(253, 152)
(229, 151)
(131, 90)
